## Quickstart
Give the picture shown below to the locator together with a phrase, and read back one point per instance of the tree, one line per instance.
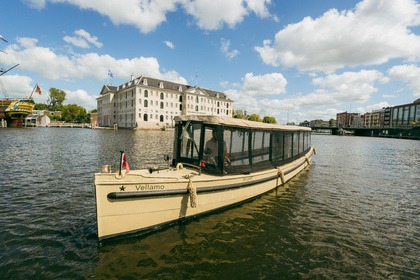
(255, 118)
(74, 113)
(55, 101)
(268, 119)
(41, 106)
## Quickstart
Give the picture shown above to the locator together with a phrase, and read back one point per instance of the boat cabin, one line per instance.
(220, 146)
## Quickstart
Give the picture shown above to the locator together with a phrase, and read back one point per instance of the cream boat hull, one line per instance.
(141, 201)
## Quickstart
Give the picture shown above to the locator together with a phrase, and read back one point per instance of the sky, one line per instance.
(293, 60)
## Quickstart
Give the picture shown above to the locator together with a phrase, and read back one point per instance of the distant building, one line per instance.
(37, 120)
(374, 119)
(146, 102)
(319, 123)
(348, 119)
(406, 115)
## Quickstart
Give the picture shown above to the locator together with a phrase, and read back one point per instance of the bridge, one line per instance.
(386, 132)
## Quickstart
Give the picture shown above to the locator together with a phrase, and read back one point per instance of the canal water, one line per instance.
(353, 214)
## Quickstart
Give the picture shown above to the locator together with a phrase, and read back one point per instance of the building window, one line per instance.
(145, 117)
(146, 93)
(161, 105)
(161, 95)
(145, 103)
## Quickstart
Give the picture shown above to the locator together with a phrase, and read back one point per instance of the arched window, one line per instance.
(161, 118)
(146, 93)
(145, 103)
(161, 95)
(196, 108)
(161, 105)
(145, 117)
(180, 98)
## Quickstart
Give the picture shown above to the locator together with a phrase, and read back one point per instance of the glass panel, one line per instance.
(417, 120)
(277, 146)
(237, 148)
(295, 143)
(301, 140)
(211, 147)
(190, 140)
(260, 146)
(287, 145)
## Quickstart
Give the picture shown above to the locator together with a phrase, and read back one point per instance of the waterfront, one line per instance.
(352, 214)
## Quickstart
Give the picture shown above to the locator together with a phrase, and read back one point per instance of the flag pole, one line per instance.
(30, 96)
(121, 158)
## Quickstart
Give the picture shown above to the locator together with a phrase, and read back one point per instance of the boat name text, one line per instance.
(148, 187)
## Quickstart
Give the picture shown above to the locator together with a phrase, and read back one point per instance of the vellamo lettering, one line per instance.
(148, 187)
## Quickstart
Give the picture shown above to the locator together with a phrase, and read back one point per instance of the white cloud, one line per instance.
(57, 66)
(374, 32)
(81, 98)
(262, 85)
(225, 49)
(332, 91)
(36, 4)
(16, 86)
(169, 44)
(409, 74)
(83, 39)
(147, 15)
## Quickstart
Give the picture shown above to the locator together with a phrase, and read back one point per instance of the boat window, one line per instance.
(277, 146)
(295, 143)
(260, 146)
(287, 145)
(301, 140)
(237, 143)
(215, 149)
(190, 140)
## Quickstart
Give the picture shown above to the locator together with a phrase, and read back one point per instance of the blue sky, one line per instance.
(296, 60)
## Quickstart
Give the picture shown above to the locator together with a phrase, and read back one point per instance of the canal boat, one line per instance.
(217, 162)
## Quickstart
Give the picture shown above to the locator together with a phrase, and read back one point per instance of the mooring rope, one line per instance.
(281, 174)
(192, 190)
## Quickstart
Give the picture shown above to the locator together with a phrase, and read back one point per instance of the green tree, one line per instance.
(255, 118)
(56, 99)
(41, 106)
(268, 119)
(74, 113)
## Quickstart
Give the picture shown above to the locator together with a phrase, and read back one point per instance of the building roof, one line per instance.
(156, 83)
(417, 101)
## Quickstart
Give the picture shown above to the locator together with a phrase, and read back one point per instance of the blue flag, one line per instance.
(110, 74)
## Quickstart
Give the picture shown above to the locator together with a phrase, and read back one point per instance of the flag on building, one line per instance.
(124, 163)
(110, 74)
(38, 89)
(2, 38)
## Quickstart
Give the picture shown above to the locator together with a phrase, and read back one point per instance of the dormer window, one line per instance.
(180, 88)
(145, 82)
(161, 85)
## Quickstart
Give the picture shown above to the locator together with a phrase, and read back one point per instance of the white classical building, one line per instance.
(146, 102)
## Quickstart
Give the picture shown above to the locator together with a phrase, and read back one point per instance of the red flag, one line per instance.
(124, 163)
(38, 89)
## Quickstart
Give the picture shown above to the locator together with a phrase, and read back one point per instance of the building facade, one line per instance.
(146, 102)
(407, 115)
